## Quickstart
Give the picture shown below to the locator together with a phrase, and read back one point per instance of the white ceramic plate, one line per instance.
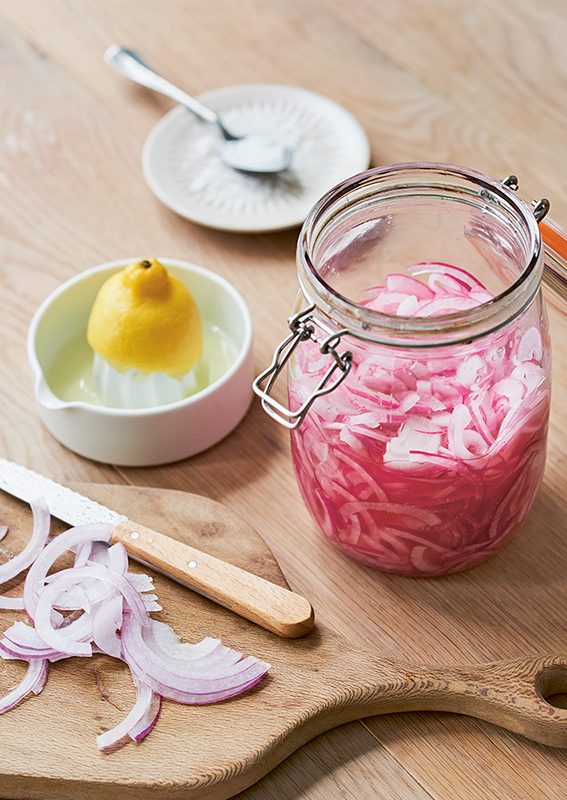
(183, 168)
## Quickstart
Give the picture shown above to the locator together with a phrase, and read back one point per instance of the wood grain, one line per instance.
(96, 696)
(342, 763)
(499, 61)
(445, 80)
(315, 684)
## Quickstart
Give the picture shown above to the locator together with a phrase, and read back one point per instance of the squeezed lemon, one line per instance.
(146, 319)
(70, 374)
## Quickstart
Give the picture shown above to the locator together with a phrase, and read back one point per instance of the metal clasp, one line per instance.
(540, 208)
(302, 327)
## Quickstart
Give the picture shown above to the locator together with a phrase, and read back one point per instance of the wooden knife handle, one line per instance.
(277, 609)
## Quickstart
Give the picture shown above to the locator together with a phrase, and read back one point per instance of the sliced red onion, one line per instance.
(531, 375)
(138, 723)
(446, 305)
(468, 371)
(12, 603)
(8, 650)
(65, 541)
(163, 639)
(23, 641)
(9, 654)
(84, 553)
(148, 721)
(74, 628)
(22, 561)
(530, 346)
(58, 639)
(141, 582)
(409, 286)
(220, 660)
(208, 679)
(150, 602)
(108, 607)
(224, 690)
(93, 591)
(510, 388)
(107, 621)
(433, 431)
(458, 274)
(117, 558)
(408, 307)
(33, 682)
(23, 634)
(35, 545)
(386, 302)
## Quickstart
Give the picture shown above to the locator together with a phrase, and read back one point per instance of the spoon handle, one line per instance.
(129, 64)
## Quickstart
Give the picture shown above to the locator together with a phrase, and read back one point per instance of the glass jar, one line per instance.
(418, 399)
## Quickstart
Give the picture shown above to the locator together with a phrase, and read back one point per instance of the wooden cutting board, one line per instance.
(48, 747)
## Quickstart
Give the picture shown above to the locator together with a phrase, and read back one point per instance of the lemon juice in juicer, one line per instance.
(147, 344)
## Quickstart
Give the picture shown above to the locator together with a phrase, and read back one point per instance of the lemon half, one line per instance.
(144, 318)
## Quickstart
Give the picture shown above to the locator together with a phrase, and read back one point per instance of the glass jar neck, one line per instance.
(366, 198)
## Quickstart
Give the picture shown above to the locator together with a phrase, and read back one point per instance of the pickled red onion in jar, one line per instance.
(425, 463)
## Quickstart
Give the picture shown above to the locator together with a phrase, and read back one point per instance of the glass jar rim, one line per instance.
(376, 326)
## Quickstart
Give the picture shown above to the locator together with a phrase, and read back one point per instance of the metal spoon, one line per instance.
(255, 153)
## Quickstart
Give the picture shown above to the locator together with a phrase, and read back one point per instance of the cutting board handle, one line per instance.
(511, 694)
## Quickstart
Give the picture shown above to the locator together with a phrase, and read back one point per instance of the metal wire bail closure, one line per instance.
(540, 208)
(302, 327)
(393, 332)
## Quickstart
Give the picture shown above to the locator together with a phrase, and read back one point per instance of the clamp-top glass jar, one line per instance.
(419, 372)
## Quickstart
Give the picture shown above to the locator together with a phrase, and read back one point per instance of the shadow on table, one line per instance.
(514, 604)
(345, 762)
(238, 461)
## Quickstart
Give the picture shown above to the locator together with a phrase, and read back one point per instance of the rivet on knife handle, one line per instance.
(273, 607)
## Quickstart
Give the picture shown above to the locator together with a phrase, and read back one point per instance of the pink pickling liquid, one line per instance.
(425, 463)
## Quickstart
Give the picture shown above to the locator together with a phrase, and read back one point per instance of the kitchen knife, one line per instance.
(277, 609)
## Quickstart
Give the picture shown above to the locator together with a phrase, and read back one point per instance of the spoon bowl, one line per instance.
(254, 153)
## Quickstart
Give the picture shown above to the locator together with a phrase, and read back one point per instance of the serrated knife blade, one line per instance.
(64, 503)
(273, 607)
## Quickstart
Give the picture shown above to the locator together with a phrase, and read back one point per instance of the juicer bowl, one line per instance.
(142, 436)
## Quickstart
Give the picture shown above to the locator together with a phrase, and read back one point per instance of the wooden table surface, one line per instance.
(480, 83)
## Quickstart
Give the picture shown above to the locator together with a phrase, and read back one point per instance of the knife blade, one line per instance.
(277, 609)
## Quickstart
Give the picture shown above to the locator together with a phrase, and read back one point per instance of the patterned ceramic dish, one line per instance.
(183, 168)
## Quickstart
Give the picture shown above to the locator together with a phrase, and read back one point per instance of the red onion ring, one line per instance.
(439, 430)
(22, 561)
(138, 723)
(43, 563)
(33, 681)
(110, 614)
